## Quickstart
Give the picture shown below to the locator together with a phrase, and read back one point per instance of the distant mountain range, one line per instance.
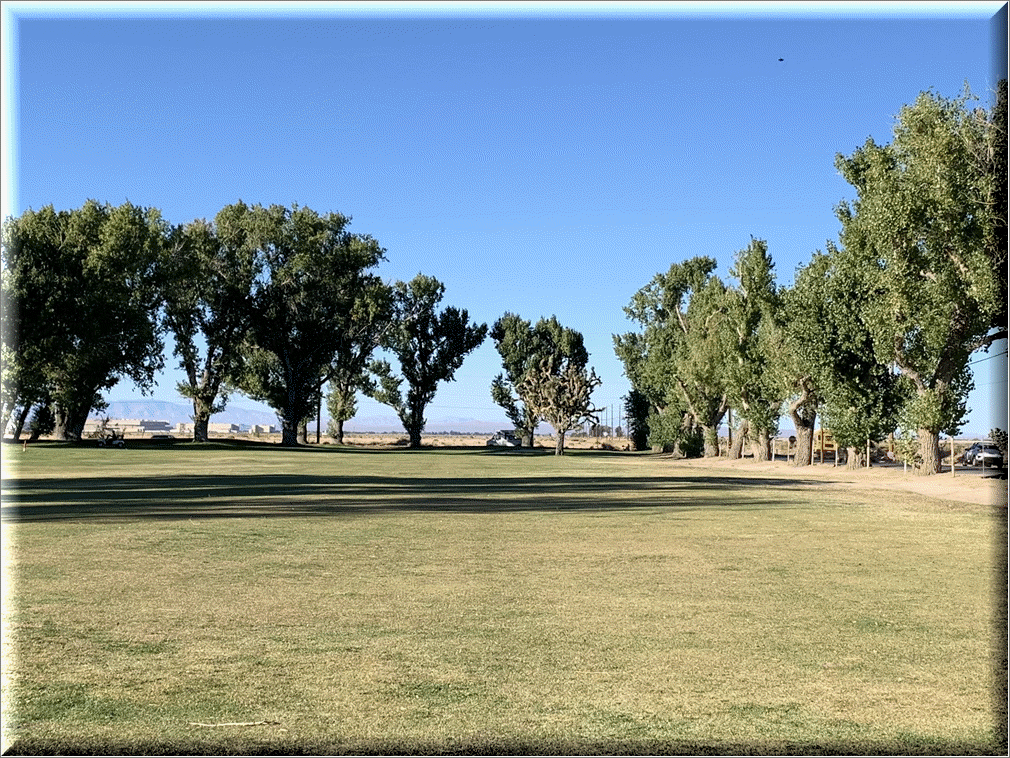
(181, 413)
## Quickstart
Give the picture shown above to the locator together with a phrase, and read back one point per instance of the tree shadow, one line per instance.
(290, 495)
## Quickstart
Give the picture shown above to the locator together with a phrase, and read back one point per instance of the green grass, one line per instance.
(453, 601)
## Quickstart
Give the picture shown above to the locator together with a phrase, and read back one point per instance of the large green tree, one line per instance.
(429, 346)
(81, 306)
(22, 380)
(752, 342)
(207, 283)
(370, 320)
(830, 346)
(921, 229)
(678, 359)
(310, 273)
(523, 347)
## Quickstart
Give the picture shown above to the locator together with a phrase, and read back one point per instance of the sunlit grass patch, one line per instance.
(445, 602)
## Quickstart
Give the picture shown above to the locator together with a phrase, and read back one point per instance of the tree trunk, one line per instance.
(804, 438)
(201, 421)
(413, 421)
(61, 431)
(736, 451)
(303, 432)
(559, 448)
(22, 418)
(5, 417)
(855, 458)
(711, 441)
(804, 454)
(338, 431)
(929, 451)
(763, 446)
(289, 432)
(526, 437)
(70, 423)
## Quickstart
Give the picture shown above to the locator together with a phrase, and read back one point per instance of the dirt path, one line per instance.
(963, 487)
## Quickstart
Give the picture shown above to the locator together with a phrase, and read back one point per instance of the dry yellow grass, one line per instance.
(366, 600)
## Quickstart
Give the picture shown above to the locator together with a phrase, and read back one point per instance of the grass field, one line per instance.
(234, 598)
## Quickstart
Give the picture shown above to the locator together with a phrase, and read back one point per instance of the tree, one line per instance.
(802, 323)
(559, 391)
(341, 404)
(429, 346)
(43, 422)
(921, 231)
(828, 345)
(82, 306)
(996, 200)
(522, 347)
(22, 382)
(752, 343)
(999, 438)
(676, 433)
(207, 282)
(677, 360)
(310, 272)
(864, 396)
(636, 410)
(370, 321)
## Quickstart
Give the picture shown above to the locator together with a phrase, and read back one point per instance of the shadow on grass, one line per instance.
(288, 495)
(328, 448)
(248, 745)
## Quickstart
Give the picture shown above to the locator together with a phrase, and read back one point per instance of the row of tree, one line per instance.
(274, 302)
(874, 334)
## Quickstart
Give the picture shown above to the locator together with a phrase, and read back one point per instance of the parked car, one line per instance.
(987, 454)
(969, 455)
(504, 438)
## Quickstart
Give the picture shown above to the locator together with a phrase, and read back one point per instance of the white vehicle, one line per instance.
(504, 438)
(112, 438)
(987, 454)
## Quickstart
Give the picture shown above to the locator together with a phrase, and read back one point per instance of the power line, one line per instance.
(988, 357)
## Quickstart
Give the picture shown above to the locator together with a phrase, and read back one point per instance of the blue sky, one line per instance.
(540, 159)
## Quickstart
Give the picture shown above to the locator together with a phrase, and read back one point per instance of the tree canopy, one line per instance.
(920, 232)
(81, 307)
(560, 391)
(429, 345)
(752, 343)
(859, 396)
(371, 319)
(310, 273)
(677, 361)
(206, 285)
(524, 347)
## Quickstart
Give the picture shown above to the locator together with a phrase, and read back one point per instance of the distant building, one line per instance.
(133, 427)
(223, 428)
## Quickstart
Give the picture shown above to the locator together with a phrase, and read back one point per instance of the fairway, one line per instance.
(250, 599)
